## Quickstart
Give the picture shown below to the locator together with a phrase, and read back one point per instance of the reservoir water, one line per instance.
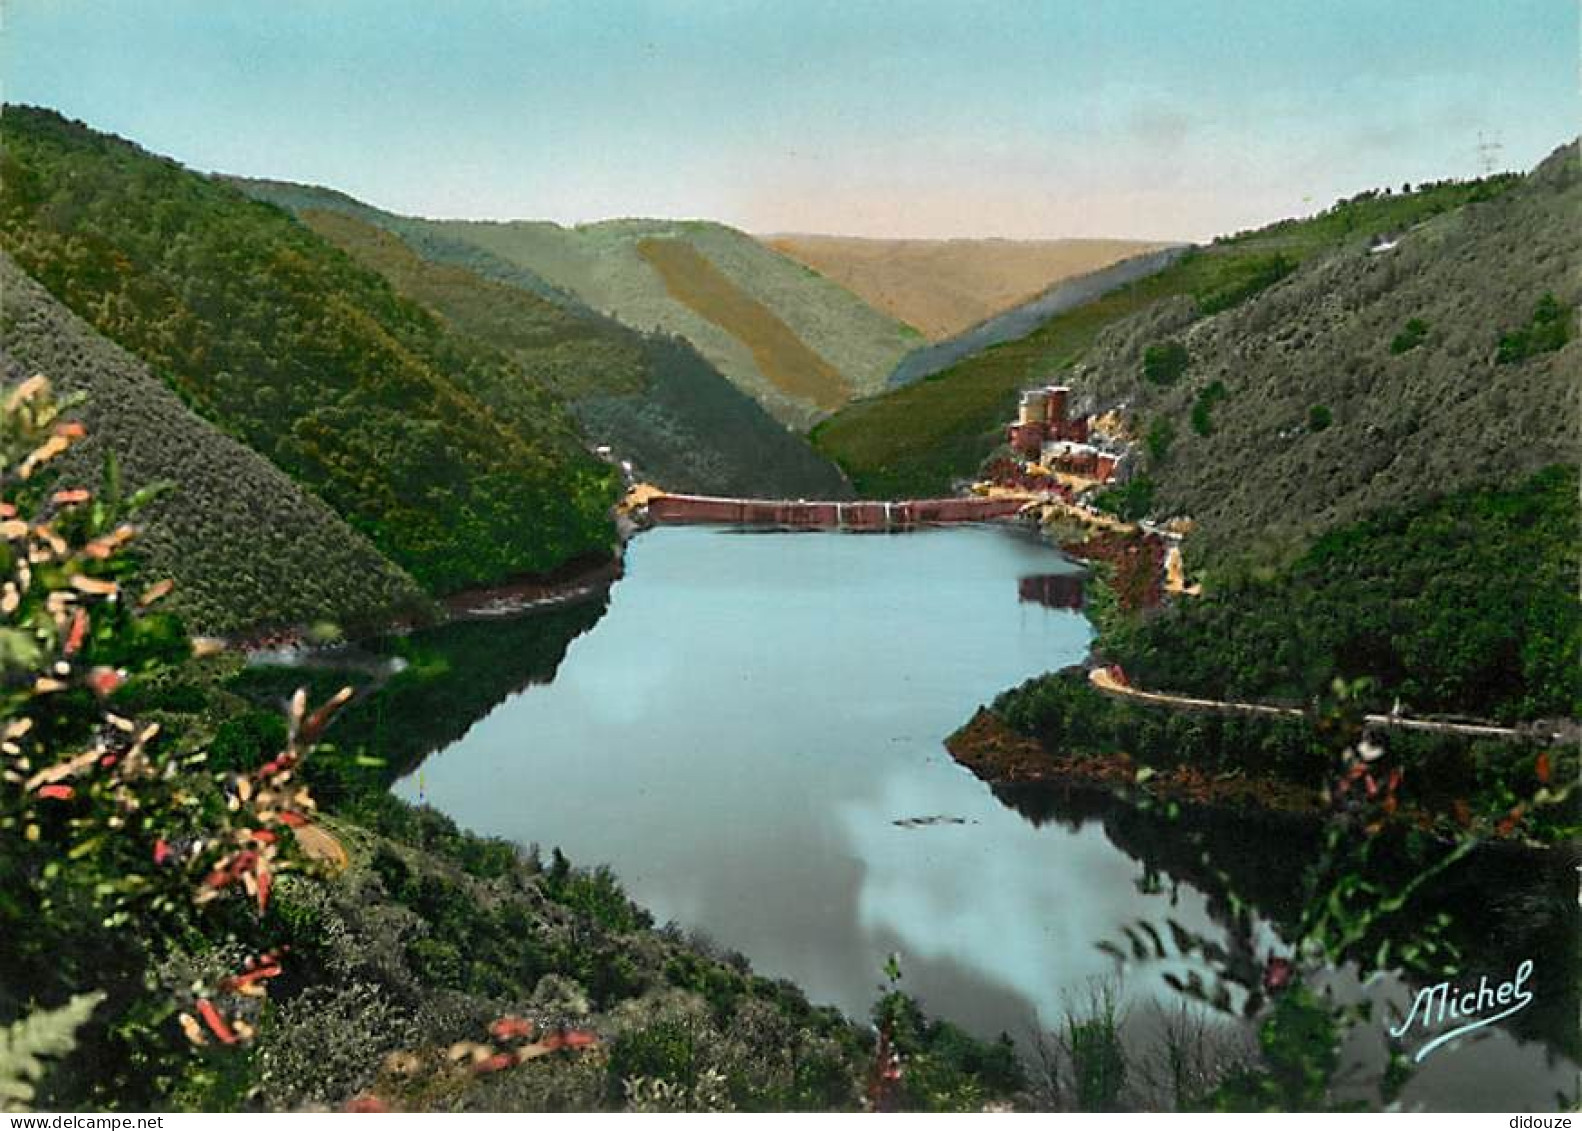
(751, 738)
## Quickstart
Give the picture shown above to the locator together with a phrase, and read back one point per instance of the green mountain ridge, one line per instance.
(247, 547)
(429, 443)
(1323, 416)
(922, 438)
(599, 270)
(651, 397)
(602, 264)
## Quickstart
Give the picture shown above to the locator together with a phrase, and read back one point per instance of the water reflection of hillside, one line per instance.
(1504, 905)
(454, 676)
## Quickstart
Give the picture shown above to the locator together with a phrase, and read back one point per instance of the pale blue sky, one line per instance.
(1156, 118)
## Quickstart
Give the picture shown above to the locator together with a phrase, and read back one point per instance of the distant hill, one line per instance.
(943, 287)
(247, 547)
(652, 398)
(1368, 378)
(919, 438)
(795, 342)
(798, 343)
(429, 443)
(1020, 320)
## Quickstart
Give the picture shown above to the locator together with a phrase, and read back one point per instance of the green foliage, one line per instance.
(595, 893)
(1412, 335)
(1164, 362)
(1098, 1055)
(26, 1045)
(1131, 501)
(1248, 278)
(1299, 1044)
(1547, 330)
(917, 439)
(1203, 407)
(1345, 897)
(944, 1068)
(119, 848)
(651, 397)
(248, 549)
(449, 676)
(599, 267)
(666, 1050)
(1161, 434)
(433, 446)
(1462, 605)
(1319, 417)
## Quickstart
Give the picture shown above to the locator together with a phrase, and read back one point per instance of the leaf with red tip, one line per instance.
(104, 681)
(494, 1063)
(511, 1028)
(217, 1024)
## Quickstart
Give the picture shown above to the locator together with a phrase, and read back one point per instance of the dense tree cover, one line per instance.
(249, 549)
(1157, 440)
(1245, 279)
(1465, 605)
(1436, 413)
(161, 878)
(918, 439)
(434, 446)
(1455, 780)
(1131, 500)
(1412, 335)
(1546, 331)
(599, 267)
(651, 397)
(1203, 407)
(1164, 362)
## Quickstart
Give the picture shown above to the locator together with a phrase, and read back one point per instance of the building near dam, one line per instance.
(1047, 434)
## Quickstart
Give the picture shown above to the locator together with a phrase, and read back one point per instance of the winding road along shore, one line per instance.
(1108, 681)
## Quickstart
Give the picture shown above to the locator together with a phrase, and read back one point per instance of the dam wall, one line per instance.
(861, 515)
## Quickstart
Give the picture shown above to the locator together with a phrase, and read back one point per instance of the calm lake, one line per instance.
(751, 737)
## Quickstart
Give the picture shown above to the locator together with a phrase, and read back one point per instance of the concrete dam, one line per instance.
(829, 515)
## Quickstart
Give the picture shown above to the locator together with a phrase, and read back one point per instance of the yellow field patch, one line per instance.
(781, 356)
(942, 287)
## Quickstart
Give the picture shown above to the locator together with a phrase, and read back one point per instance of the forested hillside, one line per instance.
(1465, 604)
(652, 398)
(434, 446)
(609, 275)
(918, 439)
(1366, 380)
(247, 547)
(606, 267)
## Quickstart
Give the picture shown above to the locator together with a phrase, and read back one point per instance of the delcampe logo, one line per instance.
(1465, 1009)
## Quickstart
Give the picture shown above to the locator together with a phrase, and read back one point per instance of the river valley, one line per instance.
(751, 738)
